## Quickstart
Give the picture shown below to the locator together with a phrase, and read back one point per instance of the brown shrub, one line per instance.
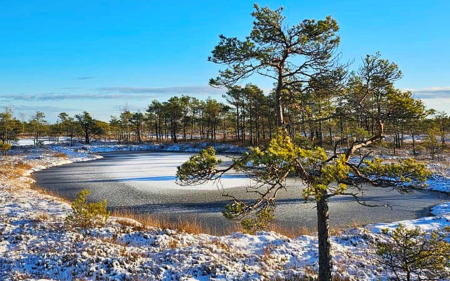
(61, 155)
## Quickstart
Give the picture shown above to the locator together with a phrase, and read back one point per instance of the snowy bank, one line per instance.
(440, 180)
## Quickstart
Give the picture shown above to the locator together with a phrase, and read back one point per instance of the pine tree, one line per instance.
(413, 254)
(325, 176)
(87, 124)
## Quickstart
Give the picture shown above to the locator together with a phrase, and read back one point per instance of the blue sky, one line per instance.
(102, 56)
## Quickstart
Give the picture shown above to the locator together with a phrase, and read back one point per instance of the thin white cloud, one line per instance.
(65, 96)
(434, 97)
(432, 93)
(124, 93)
(21, 107)
(203, 90)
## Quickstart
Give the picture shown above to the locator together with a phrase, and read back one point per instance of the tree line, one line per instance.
(247, 117)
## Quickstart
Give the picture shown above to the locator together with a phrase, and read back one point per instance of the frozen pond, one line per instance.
(145, 183)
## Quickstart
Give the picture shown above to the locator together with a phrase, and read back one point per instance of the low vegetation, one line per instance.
(414, 254)
(14, 169)
(61, 155)
(85, 214)
(4, 147)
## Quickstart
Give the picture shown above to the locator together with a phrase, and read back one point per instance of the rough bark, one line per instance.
(323, 225)
(86, 137)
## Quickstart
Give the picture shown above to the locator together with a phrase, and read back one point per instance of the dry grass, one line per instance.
(22, 166)
(267, 251)
(61, 155)
(51, 193)
(113, 240)
(290, 232)
(128, 222)
(5, 169)
(192, 226)
(173, 244)
(42, 216)
(14, 170)
(221, 245)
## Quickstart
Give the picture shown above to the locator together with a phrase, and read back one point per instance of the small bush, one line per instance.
(432, 145)
(61, 155)
(23, 166)
(413, 254)
(4, 147)
(86, 214)
(42, 217)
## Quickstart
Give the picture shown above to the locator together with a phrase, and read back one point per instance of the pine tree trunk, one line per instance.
(192, 127)
(320, 132)
(331, 136)
(237, 124)
(278, 105)
(323, 225)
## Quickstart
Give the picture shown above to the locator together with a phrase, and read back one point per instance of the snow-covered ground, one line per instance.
(98, 147)
(35, 244)
(183, 147)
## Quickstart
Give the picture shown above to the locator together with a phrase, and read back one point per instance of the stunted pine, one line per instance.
(413, 254)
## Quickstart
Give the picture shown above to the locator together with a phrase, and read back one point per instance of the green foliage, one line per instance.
(282, 158)
(274, 48)
(87, 123)
(432, 145)
(86, 214)
(303, 142)
(408, 171)
(403, 107)
(100, 128)
(199, 168)
(4, 147)
(277, 159)
(9, 126)
(414, 254)
(233, 210)
(259, 220)
(253, 221)
(39, 126)
(358, 134)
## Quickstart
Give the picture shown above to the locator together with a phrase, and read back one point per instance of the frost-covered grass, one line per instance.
(36, 244)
